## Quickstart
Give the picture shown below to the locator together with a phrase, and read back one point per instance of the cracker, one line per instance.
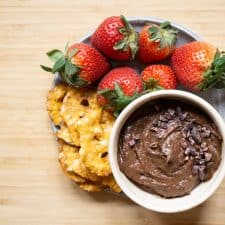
(83, 137)
(64, 134)
(70, 157)
(91, 187)
(54, 102)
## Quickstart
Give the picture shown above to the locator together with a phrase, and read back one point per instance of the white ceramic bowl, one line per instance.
(154, 202)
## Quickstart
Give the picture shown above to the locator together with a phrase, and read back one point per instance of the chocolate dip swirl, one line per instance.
(169, 147)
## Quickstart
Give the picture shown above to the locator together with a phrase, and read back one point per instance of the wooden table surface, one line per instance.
(33, 189)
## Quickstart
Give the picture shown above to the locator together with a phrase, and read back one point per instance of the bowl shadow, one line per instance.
(143, 216)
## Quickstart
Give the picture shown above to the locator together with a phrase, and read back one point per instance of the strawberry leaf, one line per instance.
(74, 80)
(117, 98)
(215, 75)
(129, 40)
(121, 45)
(68, 71)
(123, 31)
(165, 25)
(78, 82)
(46, 68)
(164, 34)
(152, 85)
(59, 64)
(70, 68)
(155, 34)
(126, 23)
(55, 54)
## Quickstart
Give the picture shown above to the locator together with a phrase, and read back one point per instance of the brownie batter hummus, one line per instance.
(169, 147)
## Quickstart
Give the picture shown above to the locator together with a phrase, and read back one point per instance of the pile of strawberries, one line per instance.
(196, 65)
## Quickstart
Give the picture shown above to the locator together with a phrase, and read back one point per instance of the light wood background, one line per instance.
(33, 189)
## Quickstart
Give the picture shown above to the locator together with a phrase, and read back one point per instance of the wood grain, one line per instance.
(33, 189)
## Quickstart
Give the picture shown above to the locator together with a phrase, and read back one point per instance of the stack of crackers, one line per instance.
(83, 134)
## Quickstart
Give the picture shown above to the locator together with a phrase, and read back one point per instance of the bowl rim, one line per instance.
(160, 20)
(113, 148)
(152, 19)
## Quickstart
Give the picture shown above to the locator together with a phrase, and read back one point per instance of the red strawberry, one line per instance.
(118, 88)
(199, 66)
(156, 42)
(158, 77)
(116, 38)
(80, 66)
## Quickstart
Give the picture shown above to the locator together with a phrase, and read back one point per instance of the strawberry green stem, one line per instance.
(215, 75)
(130, 38)
(152, 85)
(164, 34)
(68, 71)
(117, 99)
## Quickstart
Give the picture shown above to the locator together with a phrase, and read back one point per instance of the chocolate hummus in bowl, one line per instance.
(166, 150)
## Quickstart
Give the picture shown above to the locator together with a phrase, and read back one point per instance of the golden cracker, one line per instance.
(54, 102)
(64, 134)
(71, 158)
